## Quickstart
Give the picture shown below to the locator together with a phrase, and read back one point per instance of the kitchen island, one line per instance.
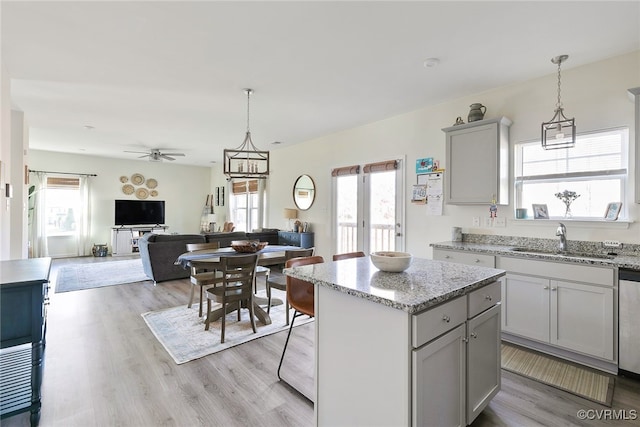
(420, 347)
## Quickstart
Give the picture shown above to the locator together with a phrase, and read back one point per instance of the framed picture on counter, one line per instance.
(613, 210)
(540, 212)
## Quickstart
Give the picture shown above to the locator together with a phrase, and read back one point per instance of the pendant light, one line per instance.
(559, 132)
(246, 161)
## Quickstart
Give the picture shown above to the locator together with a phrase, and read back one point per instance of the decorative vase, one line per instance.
(567, 212)
(477, 112)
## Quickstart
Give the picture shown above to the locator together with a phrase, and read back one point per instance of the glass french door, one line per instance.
(368, 208)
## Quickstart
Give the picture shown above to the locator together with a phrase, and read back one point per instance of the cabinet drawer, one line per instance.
(483, 298)
(468, 258)
(438, 320)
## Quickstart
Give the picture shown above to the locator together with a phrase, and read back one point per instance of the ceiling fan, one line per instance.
(155, 155)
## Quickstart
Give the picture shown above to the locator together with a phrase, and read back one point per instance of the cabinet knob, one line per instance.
(473, 335)
(446, 318)
(488, 298)
(477, 261)
(447, 256)
(554, 289)
(546, 287)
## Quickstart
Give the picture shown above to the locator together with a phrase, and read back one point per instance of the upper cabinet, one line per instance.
(477, 168)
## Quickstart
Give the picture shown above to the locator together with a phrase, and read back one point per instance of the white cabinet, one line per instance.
(549, 305)
(469, 258)
(456, 374)
(525, 306)
(439, 377)
(582, 318)
(478, 162)
(483, 361)
(124, 240)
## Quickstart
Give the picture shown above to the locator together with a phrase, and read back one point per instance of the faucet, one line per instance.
(561, 232)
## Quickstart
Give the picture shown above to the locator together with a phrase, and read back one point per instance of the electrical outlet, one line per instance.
(476, 221)
(488, 222)
(500, 222)
(611, 244)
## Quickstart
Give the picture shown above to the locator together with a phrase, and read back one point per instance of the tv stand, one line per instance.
(124, 239)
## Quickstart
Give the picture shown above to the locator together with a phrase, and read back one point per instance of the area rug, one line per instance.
(74, 277)
(583, 382)
(181, 331)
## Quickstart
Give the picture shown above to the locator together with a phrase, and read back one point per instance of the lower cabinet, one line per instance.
(457, 374)
(574, 316)
(439, 381)
(483, 361)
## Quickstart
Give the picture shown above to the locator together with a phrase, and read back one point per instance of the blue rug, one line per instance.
(75, 277)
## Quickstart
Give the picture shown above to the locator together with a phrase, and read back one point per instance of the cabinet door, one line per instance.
(438, 382)
(582, 318)
(123, 242)
(483, 360)
(525, 306)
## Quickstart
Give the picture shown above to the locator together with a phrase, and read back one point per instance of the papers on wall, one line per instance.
(433, 183)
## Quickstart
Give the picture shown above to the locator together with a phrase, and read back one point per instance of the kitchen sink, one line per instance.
(567, 254)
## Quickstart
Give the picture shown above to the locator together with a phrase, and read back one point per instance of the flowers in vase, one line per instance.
(567, 198)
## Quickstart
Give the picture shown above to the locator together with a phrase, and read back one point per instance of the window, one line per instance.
(245, 204)
(62, 205)
(596, 169)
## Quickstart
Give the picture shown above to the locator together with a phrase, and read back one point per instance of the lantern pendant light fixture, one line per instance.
(559, 132)
(246, 161)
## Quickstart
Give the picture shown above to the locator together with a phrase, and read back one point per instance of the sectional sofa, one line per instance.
(159, 251)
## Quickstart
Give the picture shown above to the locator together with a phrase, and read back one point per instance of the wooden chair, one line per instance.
(234, 289)
(347, 255)
(201, 273)
(300, 296)
(280, 282)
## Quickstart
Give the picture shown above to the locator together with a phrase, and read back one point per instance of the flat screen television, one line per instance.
(139, 212)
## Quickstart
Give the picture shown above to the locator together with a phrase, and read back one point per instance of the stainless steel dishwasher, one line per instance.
(629, 327)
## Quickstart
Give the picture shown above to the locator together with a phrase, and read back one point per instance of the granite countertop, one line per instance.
(424, 284)
(588, 253)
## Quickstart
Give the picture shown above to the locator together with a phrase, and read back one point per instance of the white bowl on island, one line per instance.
(391, 261)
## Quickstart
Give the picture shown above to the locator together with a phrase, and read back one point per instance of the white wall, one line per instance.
(18, 203)
(5, 155)
(183, 188)
(596, 95)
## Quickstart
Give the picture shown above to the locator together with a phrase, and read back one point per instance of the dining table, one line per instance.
(270, 255)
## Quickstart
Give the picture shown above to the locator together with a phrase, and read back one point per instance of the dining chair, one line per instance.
(347, 255)
(234, 289)
(300, 296)
(280, 281)
(201, 273)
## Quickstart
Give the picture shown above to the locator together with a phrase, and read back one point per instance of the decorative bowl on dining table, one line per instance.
(248, 246)
(391, 261)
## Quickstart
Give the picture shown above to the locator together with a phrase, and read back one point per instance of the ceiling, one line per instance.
(102, 78)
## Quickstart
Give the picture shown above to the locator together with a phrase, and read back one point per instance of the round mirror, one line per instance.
(304, 192)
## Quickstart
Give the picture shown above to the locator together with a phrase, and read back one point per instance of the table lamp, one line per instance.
(290, 214)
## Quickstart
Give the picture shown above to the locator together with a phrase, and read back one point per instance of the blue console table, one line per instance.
(23, 297)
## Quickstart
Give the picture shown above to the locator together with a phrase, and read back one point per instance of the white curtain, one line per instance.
(38, 217)
(38, 237)
(83, 219)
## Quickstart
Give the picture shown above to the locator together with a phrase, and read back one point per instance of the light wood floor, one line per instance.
(103, 367)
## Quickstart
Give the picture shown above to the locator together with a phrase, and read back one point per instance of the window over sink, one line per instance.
(596, 169)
